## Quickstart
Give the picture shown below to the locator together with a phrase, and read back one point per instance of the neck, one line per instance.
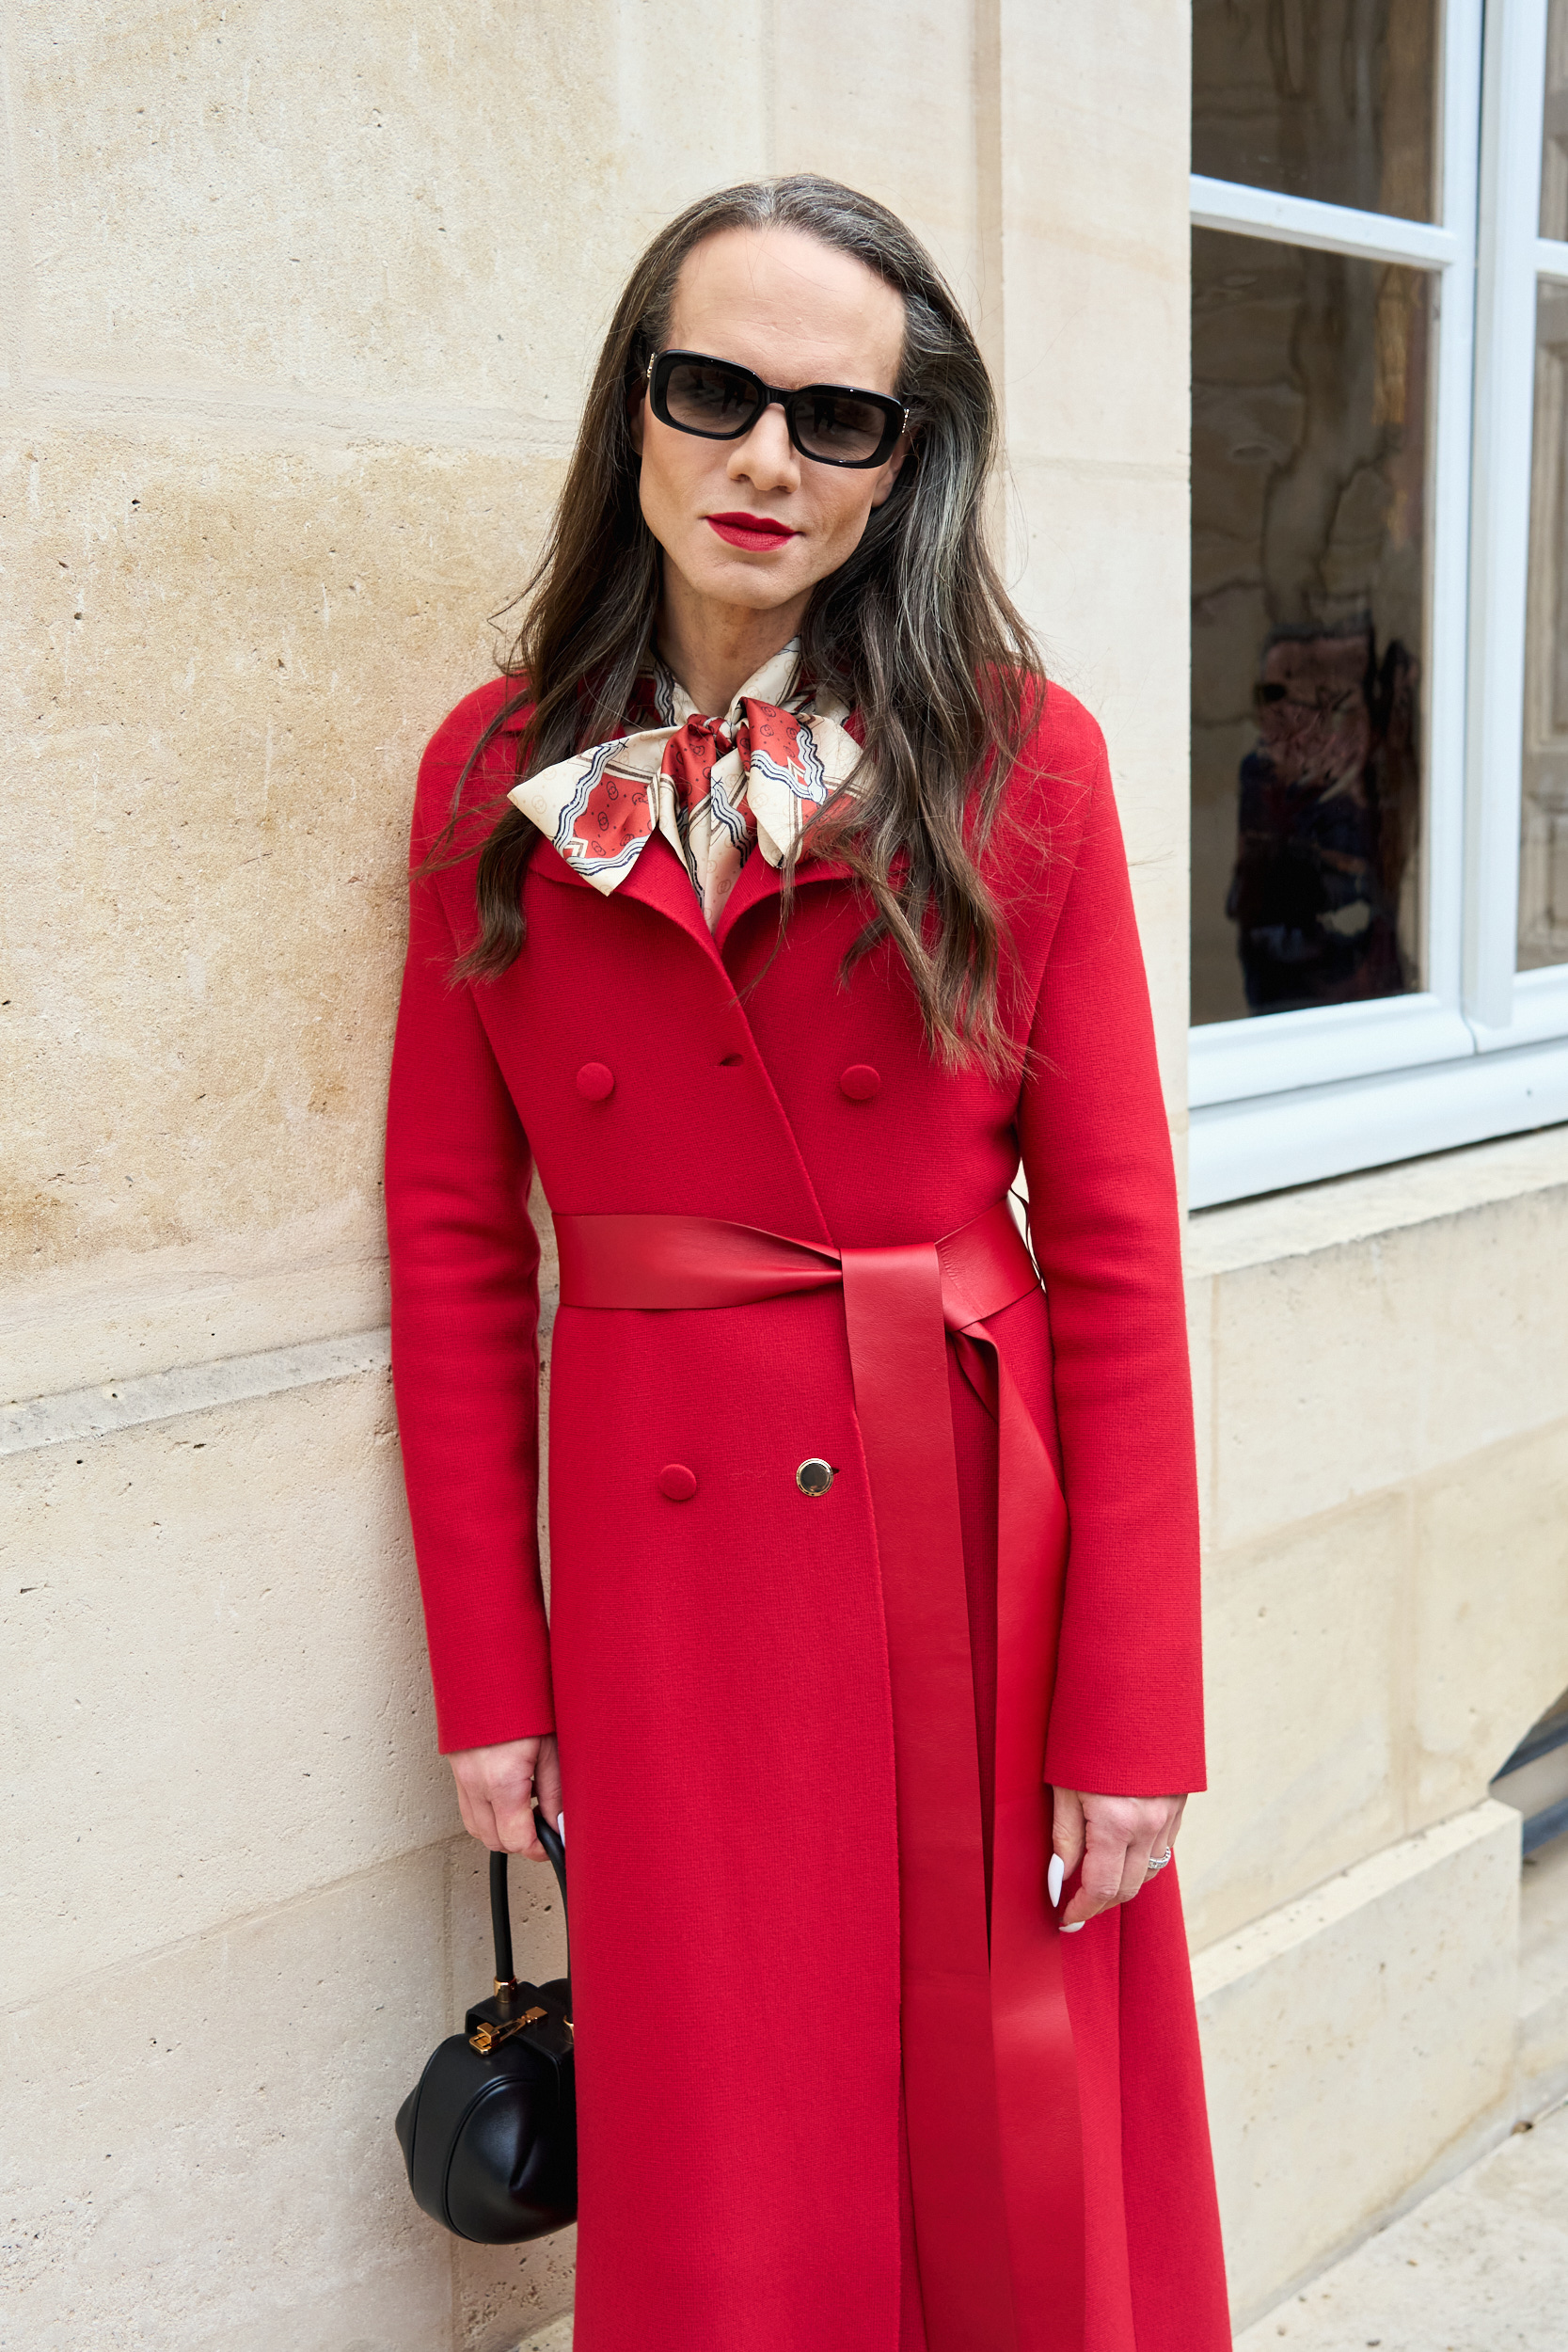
(714, 648)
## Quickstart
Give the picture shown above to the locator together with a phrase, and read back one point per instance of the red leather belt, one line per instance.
(991, 2084)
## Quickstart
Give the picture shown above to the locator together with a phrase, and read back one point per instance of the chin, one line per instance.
(759, 582)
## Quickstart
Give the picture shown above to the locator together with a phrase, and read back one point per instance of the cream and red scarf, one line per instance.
(713, 788)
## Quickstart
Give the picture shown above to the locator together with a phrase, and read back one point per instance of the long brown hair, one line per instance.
(915, 629)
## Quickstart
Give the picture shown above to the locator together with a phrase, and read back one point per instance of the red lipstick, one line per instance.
(751, 530)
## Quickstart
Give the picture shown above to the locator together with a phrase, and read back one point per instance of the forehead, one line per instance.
(796, 310)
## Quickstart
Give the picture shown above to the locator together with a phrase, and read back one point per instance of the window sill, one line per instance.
(1275, 1142)
(1286, 1053)
(1351, 1209)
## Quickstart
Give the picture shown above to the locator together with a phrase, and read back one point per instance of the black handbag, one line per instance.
(489, 2132)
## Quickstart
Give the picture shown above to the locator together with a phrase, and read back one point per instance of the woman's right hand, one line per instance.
(496, 1787)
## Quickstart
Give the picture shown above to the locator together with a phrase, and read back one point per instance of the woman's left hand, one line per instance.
(1115, 1838)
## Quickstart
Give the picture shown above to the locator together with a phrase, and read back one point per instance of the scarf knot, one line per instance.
(714, 787)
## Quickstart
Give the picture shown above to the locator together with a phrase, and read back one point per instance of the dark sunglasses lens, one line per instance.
(839, 426)
(702, 396)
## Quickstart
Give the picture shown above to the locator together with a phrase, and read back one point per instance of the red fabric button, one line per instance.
(595, 1083)
(676, 1483)
(860, 1082)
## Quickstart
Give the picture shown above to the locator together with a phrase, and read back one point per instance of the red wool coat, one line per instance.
(716, 1666)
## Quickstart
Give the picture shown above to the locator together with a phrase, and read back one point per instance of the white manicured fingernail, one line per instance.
(1053, 1878)
(1076, 1929)
(561, 1827)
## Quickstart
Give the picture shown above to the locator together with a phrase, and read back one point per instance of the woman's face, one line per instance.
(795, 312)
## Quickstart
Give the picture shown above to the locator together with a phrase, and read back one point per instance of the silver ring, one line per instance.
(1157, 1863)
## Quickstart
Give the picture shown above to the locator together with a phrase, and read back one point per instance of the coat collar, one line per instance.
(657, 880)
(758, 880)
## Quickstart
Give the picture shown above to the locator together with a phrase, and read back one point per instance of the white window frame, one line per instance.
(1483, 1050)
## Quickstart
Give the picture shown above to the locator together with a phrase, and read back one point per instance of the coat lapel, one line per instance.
(758, 880)
(656, 879)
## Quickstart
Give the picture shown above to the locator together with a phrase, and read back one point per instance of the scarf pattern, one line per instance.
(715, 788)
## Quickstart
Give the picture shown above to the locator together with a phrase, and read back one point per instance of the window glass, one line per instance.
(1309, 450)
(1543, 832)
(1554, 159)
(1331, 98)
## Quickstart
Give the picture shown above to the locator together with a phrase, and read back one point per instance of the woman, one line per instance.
(808, 920)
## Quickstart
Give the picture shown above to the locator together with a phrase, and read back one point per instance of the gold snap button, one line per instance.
(814, 1477)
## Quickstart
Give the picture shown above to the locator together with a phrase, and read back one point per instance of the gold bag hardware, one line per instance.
(487, 2036)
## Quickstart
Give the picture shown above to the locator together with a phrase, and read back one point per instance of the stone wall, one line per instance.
(1382, 1376)
(297, 305)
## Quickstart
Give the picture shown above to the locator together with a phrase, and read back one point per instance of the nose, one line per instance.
(766, 458)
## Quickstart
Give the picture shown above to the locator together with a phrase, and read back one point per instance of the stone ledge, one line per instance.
(1544, 1977)
(46, 1421)
(1359, 2045)
(1220, 1966)
(122, 1313)
(1349, 1209)
(33, 401)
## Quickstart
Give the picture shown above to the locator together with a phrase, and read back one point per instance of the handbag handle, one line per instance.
(501, 1908)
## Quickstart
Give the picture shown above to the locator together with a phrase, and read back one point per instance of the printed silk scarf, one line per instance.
(711, 786)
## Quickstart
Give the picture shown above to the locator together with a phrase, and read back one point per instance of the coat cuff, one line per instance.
(481, 1700)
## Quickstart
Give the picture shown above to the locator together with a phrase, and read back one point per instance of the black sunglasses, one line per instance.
(719, 401)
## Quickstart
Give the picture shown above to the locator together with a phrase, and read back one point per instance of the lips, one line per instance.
(756, 532)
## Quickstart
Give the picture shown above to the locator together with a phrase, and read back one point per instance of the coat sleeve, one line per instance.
(1127, 1719)
(464, 1262)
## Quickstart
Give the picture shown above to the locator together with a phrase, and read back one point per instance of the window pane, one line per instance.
(1543, 832)
(1553, 161)
(1332, 98)
(1309, 447)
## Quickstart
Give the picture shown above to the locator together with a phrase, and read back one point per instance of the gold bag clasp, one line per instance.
(489, 2035)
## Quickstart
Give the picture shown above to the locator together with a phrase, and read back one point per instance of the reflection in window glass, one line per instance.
(1309, 439)
(1554, 159)
(1544, 830)
(1331, 98)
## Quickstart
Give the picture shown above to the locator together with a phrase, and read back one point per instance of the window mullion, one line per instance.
(1513, 89)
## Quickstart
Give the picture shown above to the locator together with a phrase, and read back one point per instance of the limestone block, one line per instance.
(501, 2289)
(199, 2142)
(1491, 1612)
(1543, 1975)
(1358, 2042)
(241, 649)
(385, 202)
(1305, 1638)
(1102, 553)
(216, 1659)
(555, 2338)
(837, 123)
(129, 1312)
(1096, 245)
(1372, 1360)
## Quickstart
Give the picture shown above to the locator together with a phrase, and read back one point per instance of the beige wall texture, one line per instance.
(296, 307)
